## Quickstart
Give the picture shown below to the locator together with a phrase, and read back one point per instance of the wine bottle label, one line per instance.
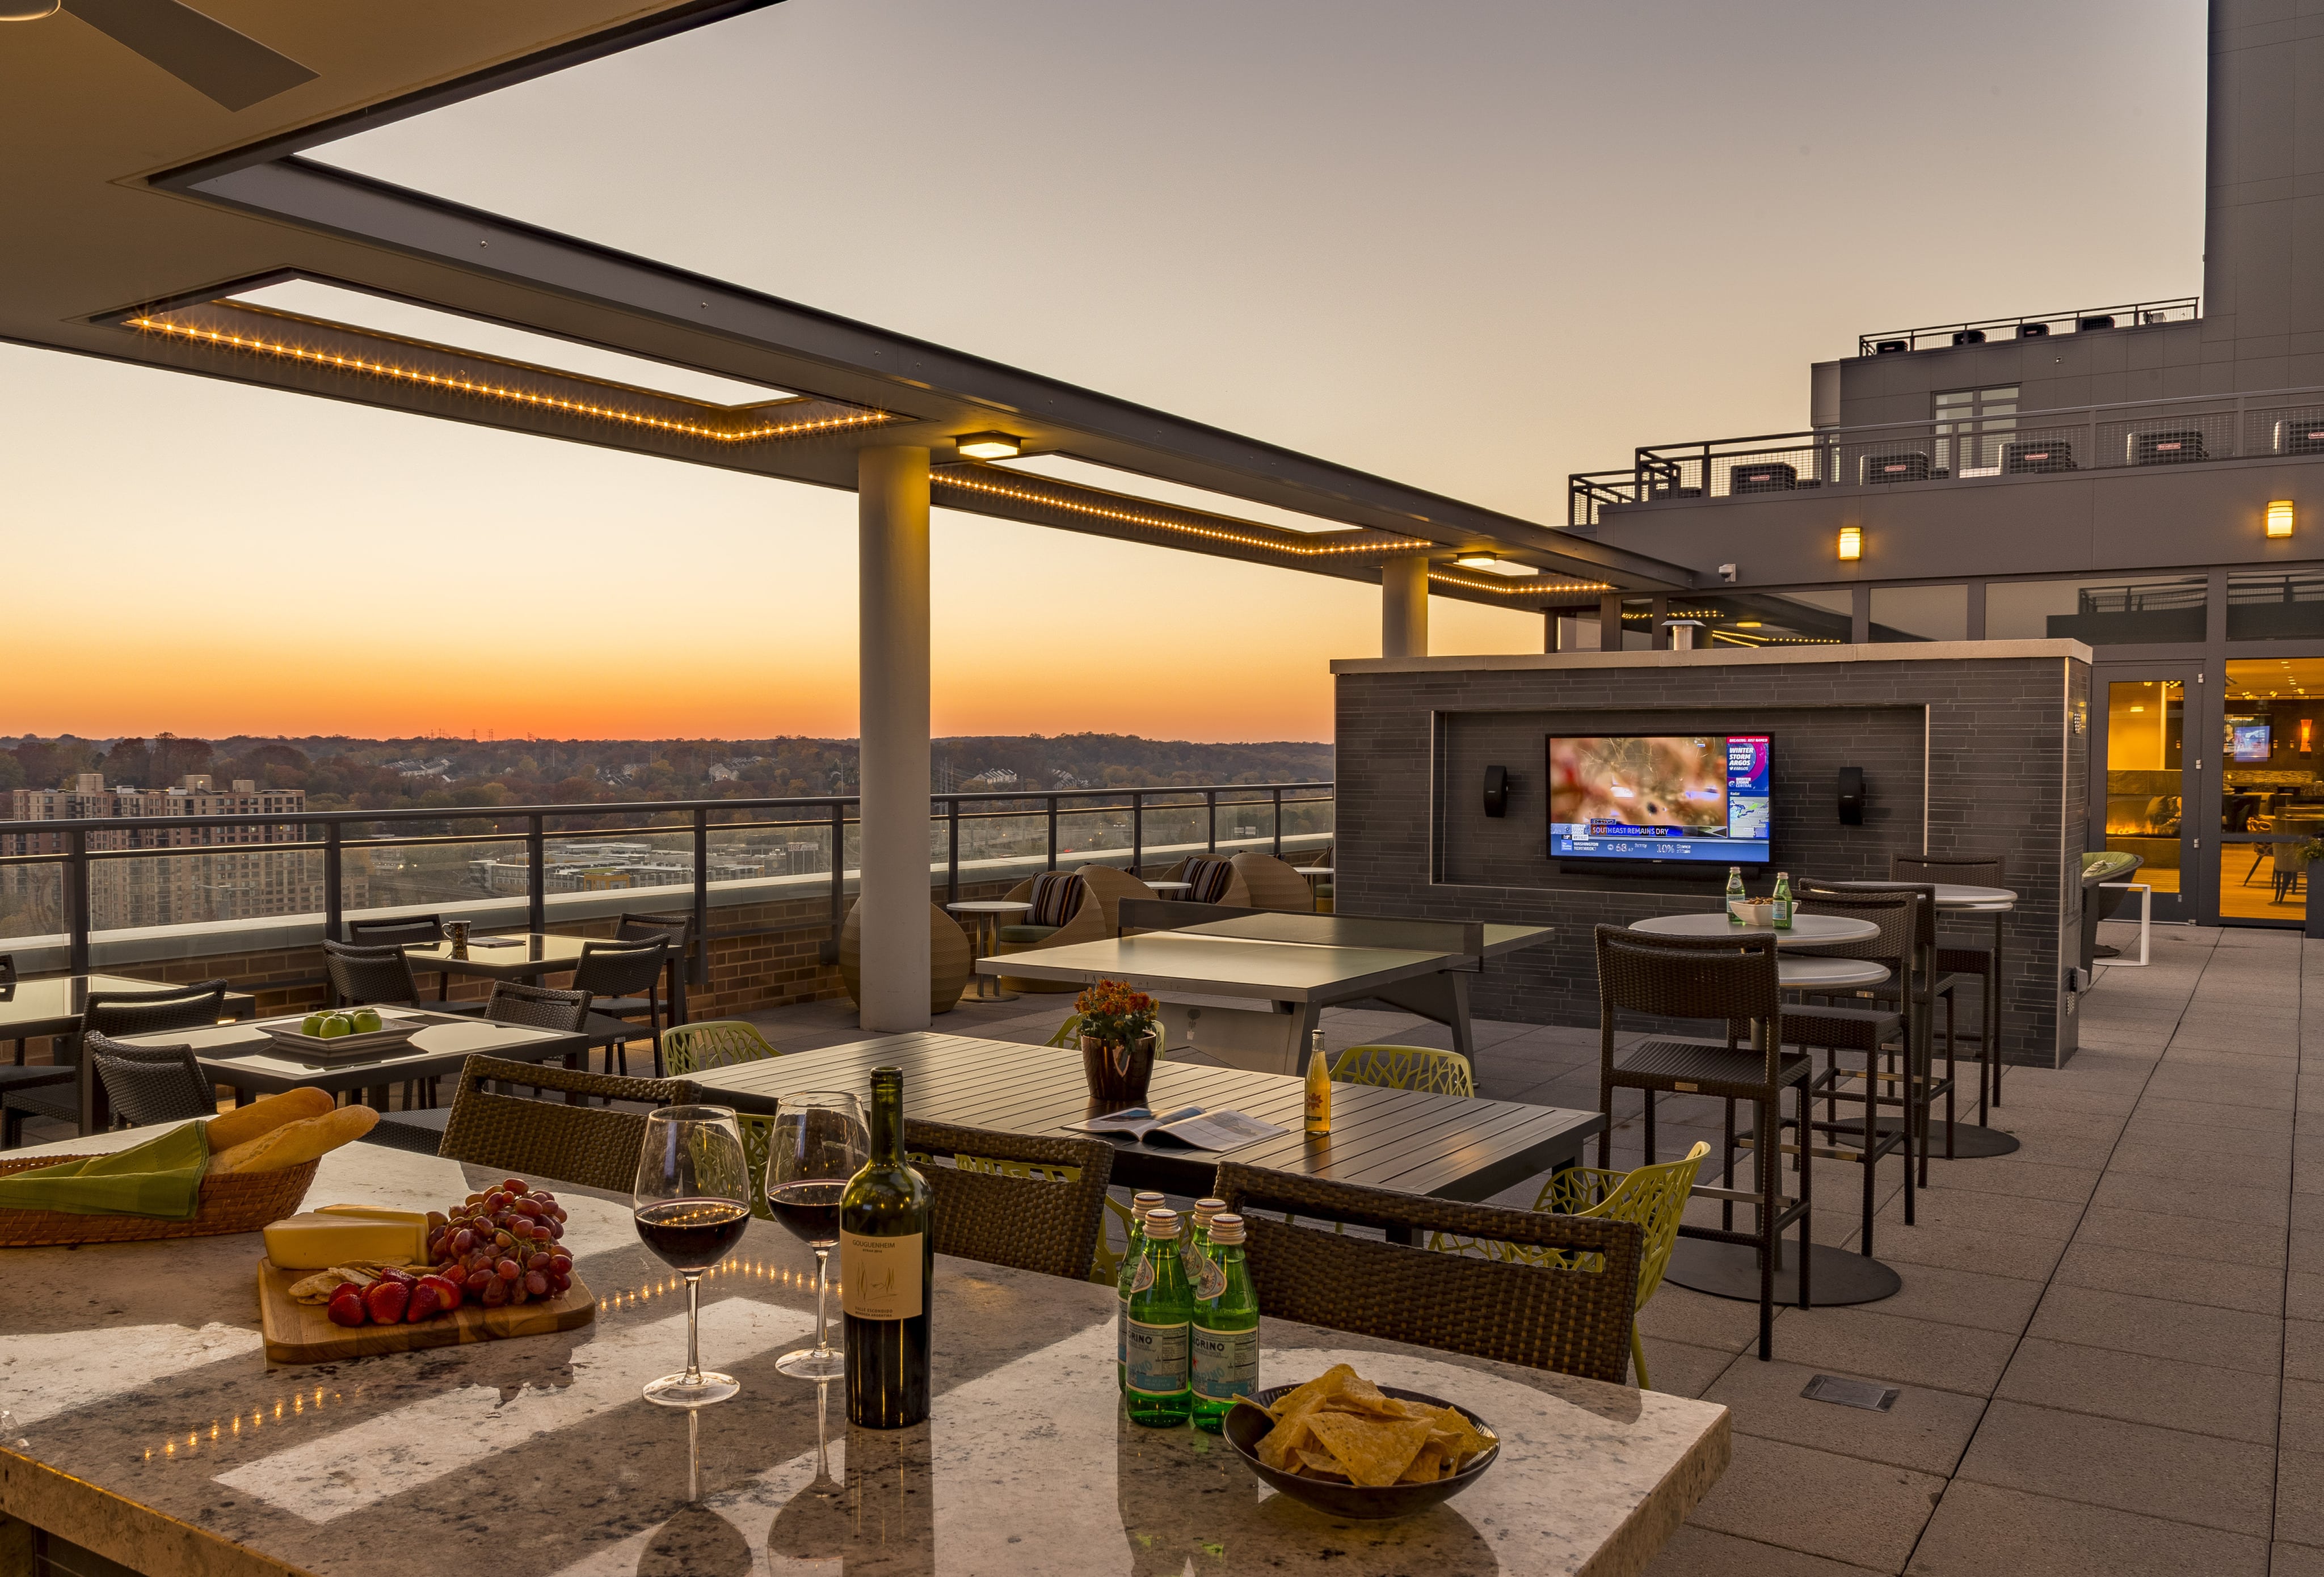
(879, 1277)
(1157, 1358)
(1203, 1272)
(1143, 1278)
(1225, 1362)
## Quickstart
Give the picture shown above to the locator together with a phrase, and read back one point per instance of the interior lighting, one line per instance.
(1851, 544)
(463, 386)
(27, 10)
(2278, 517)
(1476, 560)
(989, 446)
(1751, 624)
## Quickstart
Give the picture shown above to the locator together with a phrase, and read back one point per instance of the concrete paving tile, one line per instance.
(2307, 1257)
(1820, 1503)
(2302, 1416)
(2208, 1114)
(2100, 1102)
(1924, 1429)
(2130, 1467)
(1679, 1369)
(2158, 1328)
(1993, 1250)
(2299, 1497)
(1963, 1297)
(2159, 1273)
(1963, 1209)
(2303, 1349)
(2020, 1177)
(2146, 1144)
(2204, 1086)
(2269, 1207)
(2168, 1392)
(1679, 1314)
(1695, 1552)
(1861, 1341)
(2295, 1561)
(2236, 1243)
(1985, 1531)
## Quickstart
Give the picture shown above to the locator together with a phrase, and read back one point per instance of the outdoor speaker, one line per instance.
(1497, 791)
(1851, 797)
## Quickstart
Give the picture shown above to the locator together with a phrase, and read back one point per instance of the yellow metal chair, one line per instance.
(1654, 1197)
(1105, 1263)
(1069, 1034)
(1406, 1067)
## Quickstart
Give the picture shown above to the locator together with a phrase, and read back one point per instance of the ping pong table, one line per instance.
(1247, 986)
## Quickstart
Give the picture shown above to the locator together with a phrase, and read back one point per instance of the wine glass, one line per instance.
(692, 1203)
(819, 1143)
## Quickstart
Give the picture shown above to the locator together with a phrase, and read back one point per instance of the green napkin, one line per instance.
(161, 1178)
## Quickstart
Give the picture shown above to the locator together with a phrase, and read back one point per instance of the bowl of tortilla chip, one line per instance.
(1351, 1449)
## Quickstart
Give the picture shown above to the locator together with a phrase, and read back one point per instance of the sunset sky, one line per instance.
(1471, 247)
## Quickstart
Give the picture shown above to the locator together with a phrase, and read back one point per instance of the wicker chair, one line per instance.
(1732, 980)
(530, 1007)
(619, 978)
(538, 1007)
(1038, 1203)
(116, 1014)
(369, 974)
(1406, 1067)
(399, 932)
(1570, 1318)
(1098, 919)
(1978, 963)
(149, 1083)
(596, 1146)
(715, 1043)
(1273, 883)
(679, 929)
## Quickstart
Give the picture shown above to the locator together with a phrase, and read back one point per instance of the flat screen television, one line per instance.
(1659, 800)
(2251, 739)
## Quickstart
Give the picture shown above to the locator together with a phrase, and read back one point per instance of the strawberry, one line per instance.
(424, 1301)
(386, 1300)
(346, 1307)
(448, 1290)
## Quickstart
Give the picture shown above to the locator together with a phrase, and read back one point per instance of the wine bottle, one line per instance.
(1225, 1334)
(887, 1257)
(1131, 1258)
(1161, 1320)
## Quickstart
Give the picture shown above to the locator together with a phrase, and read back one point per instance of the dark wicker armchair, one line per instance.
(619, 978)
(1038, 1203)
(401, 931)
(596, 1146)
(1572, 1318)
(538, 1007)
(150, 1083)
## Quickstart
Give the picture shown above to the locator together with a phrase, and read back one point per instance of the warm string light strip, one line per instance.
(515, 396)
(1520, 588)
(1212, 533)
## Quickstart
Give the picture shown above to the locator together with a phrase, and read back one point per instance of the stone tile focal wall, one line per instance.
(1979, 749)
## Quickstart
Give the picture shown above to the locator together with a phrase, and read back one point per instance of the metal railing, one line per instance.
(77, 847)
(2080, 320)
(2131, 434)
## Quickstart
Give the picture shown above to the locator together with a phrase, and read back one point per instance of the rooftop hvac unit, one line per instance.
(1911, 466)
(1889, 347)
(2173, 447)
(1670, 490)
(1968, 337)
(2033, 331)
(2084, 325)
(2300, 438)
(2029, 457)
(1763, 476)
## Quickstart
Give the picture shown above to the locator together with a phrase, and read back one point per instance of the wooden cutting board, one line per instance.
(298, 1333)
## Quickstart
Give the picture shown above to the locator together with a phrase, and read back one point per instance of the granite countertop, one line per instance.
(157, 1433)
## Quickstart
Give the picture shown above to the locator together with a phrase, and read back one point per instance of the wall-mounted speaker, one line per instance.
(1497, 791)
(1851, 797)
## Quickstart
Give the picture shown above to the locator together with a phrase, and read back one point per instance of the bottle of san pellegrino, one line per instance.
(1319, 1085)
(1205, 1210)
(1225, 1362)
(887, 1254)
(1735, 894)
(1783, 915)
(1131, 1258)
(1161, 1329)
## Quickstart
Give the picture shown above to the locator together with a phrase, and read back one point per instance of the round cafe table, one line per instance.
(1172, 888)
(1731, 1271)
(987, 912)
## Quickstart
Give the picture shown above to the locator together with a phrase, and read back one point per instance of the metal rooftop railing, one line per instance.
(2034, 326)
(2282, 423)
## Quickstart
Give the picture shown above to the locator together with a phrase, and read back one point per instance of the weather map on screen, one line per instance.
(1660, 797)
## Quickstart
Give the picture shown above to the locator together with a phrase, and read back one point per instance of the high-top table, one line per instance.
(158, 1435)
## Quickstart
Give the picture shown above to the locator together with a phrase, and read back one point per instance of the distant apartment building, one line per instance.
(606, 867)
(178, 889)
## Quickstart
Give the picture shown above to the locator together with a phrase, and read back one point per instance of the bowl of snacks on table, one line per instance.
(343, 1035)
(1351, 1449)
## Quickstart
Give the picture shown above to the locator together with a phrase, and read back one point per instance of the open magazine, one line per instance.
(1190, 1126)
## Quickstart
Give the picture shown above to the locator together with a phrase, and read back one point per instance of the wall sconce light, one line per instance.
(989, 446)
(1851, 544)
(2279, 518)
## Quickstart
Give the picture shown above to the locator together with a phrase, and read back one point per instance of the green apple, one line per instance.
(365, 1020)
(334, 1026)
(312, 1024)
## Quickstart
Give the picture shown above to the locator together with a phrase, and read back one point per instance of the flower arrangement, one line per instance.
(1111, 1014)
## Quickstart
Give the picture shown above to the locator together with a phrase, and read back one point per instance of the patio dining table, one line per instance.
(155, 1433)
(527, 957)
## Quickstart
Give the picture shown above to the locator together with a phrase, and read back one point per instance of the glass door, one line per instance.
(2270, 799)
(2147, 785)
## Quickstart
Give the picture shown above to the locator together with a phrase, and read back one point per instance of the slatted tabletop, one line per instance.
(1410, 1140)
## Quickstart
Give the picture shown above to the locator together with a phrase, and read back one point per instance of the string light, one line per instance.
(764, 431)
(1132, 517)
(1518, 588)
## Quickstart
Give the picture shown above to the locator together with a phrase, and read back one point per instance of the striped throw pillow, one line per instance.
(1211, 877)
(1057, 898)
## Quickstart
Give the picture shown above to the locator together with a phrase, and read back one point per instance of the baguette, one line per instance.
(295, 1142)
(245, 1123)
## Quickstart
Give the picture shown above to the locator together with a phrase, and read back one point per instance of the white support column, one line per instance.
(891, 491)
(1404, 606)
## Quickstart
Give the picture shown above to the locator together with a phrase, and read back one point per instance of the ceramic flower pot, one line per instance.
(1119, 1074)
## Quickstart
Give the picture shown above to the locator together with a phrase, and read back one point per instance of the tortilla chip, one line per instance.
(1320, 1464)
(1374, 1452)
(1428, 1466)
(1338, 1382)
(1283, 1442)
(1462, 1439)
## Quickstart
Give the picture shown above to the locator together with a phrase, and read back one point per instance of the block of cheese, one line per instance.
(316, 1241)
(375, 1212)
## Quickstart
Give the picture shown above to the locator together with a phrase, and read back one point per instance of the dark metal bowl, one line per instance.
(1245, 1427)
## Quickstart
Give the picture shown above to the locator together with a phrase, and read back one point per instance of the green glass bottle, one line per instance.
(1225, 1339)
(1131, 1256)
(1783, 915)
(1735, 894)
(1161, 1329)
(1205, 1210)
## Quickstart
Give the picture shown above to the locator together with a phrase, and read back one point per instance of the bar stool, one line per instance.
(1981, 963)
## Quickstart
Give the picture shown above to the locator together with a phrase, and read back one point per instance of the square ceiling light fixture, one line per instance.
(989, 446)
(1494, 564)
(2278, 517)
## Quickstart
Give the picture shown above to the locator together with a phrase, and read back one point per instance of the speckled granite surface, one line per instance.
(158, 1435)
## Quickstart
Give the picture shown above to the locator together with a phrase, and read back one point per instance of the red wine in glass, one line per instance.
(810, 1209)
(695, 1234)
(692, 1204)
